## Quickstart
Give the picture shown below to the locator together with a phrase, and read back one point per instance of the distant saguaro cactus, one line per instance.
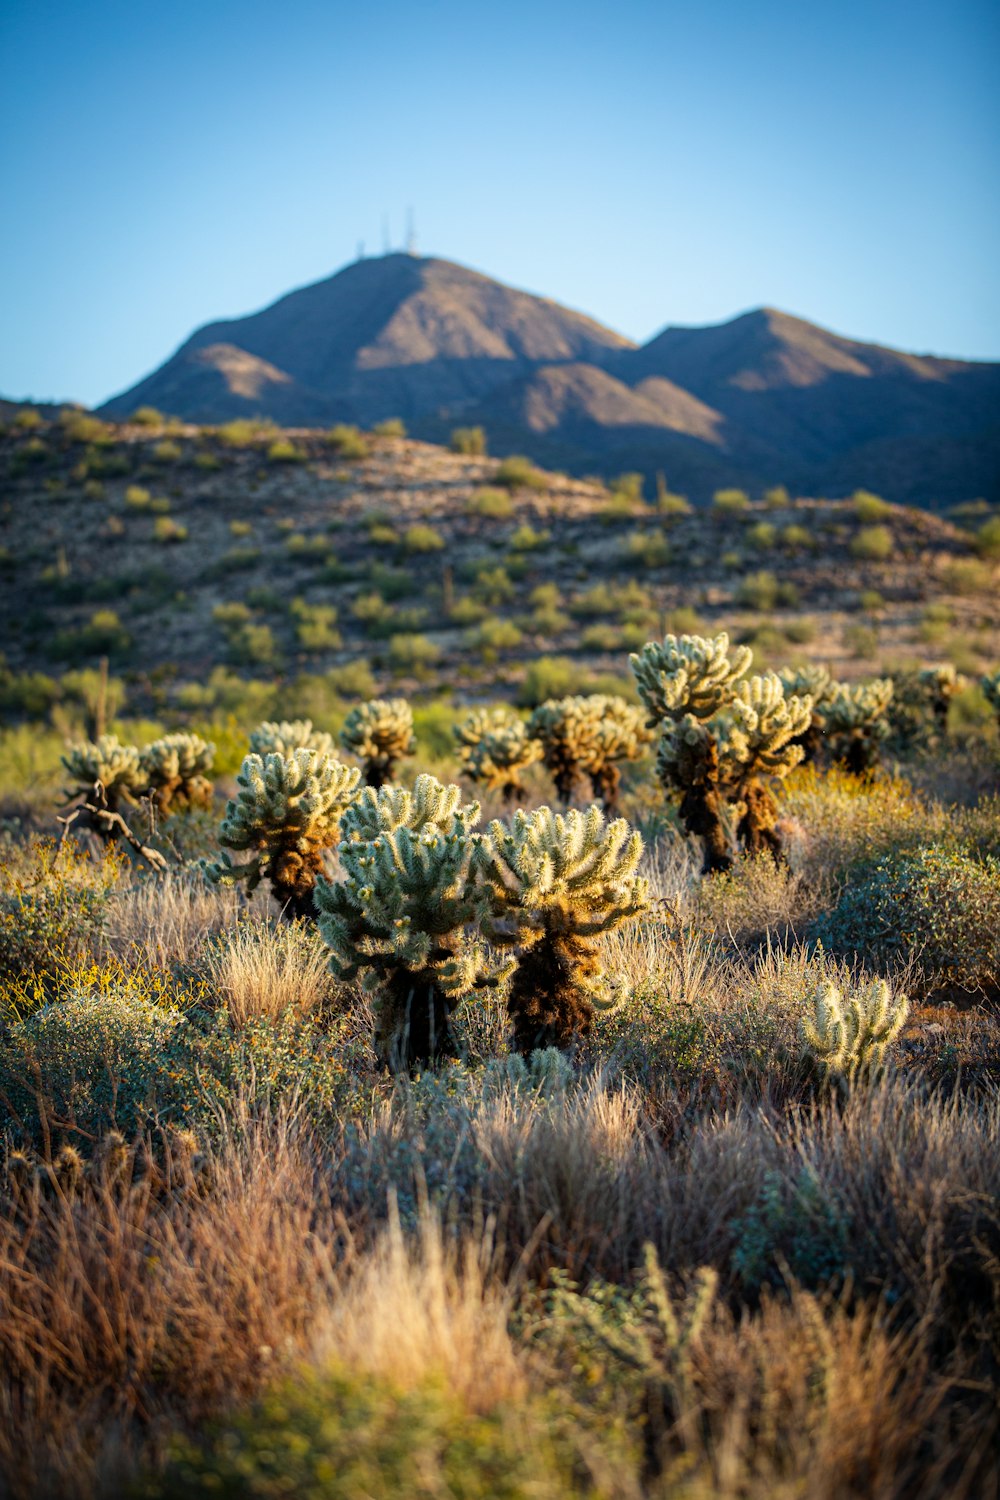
(406, 915)
(556, 884)
(285, 816)
(379, 732)
(847, 1035)
(175, 768)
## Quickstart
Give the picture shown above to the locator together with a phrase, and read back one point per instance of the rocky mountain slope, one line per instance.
(761, 400)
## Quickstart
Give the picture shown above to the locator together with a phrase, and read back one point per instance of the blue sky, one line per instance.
(647, 162)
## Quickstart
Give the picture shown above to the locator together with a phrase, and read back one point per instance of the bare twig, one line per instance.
(109, 824)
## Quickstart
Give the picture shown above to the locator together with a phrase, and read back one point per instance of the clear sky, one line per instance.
(646, 161)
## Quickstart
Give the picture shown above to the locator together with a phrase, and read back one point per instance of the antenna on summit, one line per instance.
(411, 233)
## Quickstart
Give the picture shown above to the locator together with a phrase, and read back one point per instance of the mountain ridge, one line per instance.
(763, 398)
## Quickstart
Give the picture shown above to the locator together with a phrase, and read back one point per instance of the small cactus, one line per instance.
(848, 1035)
(285, 736)
(116, 766)
(855, 724)
(556, 883)
(406, 915)
(285, 816)
(494, 746)
(379, 732)
(588, 735)
(176, 769)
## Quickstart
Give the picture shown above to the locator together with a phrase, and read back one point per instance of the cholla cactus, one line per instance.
(848, 1035)
(283, 736)
(815, 682)
(688, 674)
(918, 713)
(116, 766)
(854, 722)
(286, 815)
(587, 736)
(556, 883)
(496, 747)
(406, 915)
(379, 732)
(940, 684)
(723, 740)
(176, 771)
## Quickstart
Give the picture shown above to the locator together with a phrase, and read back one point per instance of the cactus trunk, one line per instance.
(547, 1006)
(415, 1024)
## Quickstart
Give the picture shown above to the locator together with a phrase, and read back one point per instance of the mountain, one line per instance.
(763, 399)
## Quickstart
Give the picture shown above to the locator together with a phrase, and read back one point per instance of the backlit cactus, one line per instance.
(379, 732)
(116, 766)
(285, 817)
(724, 738)
(588, 735)
(990, 684)
(406, 915)
(918, 712)
(815, 682)
(556, 883)
(175, 770)
(284, 736)
(854, 722)
(495, 747)
(847, 1035)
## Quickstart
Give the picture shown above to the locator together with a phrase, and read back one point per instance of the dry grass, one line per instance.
(268, 970)
(163, 922)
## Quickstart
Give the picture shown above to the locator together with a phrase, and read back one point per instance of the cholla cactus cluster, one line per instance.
(175, 770)
(847, 1035)
(116, 766)
(588, 735)
(556, 884)
(406, 915)
(813, 681)
(285, 816)
(990, 684)
(284, 736)
(495, 747)
(918, 712)
(855, 723)
(723, 738)
(379, 732)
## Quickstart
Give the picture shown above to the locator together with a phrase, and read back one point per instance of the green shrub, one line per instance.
(493, 586)
(518, 473)
(167, 530)
(731, 502)
(873, 544)
(347, 442)
(53, 906)
(137, 497)
(420, 539)
(391, 427)
(166, 452)
(968, 576)
(649, 549)
(796, 538)
(244, 432)
(763, 591)
(471, 441)
(987, 541)
(284, 451)
(934, 908)
(28, 420)
(147, 416)
(494, 635)
(777, 498)
(763, 536)
(410, 652)
(491, 502)
(870, 508)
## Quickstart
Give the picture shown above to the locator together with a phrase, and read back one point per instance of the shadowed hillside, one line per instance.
(763, 399)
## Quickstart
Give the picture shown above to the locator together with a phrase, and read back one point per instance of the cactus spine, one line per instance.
(283, 736)
(406, 915)
(379, 732)
(285, 816)
(848, 1035)
(556, 883)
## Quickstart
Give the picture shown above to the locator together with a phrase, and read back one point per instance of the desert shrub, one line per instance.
(649, 549)
(53, 906)
(166, 451)
(28, 420)
(244, 432)
(672, 505)
(968, 576)
(166, 530)
(470, 441)
(391, 427)
(936, 909)
(861, 641)
(730, 502)
(763, 536)
(526, 539)
(262, 971)
(547, 677)
(315, 626)
(493, 586)
(137, 497)
(379, 732)
(556, 884)
(347, 442)
(777, 497)
(796, 538)
(494, 503)
(253, 645)
(419, 539)
(987, 539)
(873, 544)
(517, 473)
(870, 508)
(284, 451)
(763, 591)
(492, 636)
(410, 652)
(147, 416)
(284, 818)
